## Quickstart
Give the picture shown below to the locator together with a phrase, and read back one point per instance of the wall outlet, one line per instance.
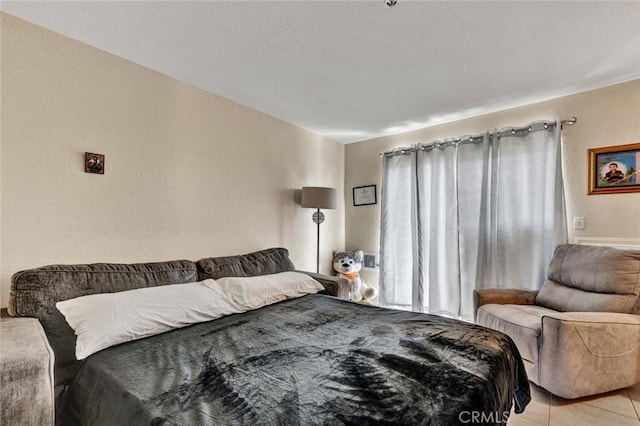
(371, 261)
(578, 222)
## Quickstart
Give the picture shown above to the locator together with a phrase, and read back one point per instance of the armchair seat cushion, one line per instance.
(523, 323)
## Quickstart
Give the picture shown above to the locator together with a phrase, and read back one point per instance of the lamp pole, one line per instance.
(318, 218)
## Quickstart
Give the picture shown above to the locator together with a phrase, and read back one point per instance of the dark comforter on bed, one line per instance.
(312, 360)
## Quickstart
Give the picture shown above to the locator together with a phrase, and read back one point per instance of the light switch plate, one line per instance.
(578, 222)
(371, 261)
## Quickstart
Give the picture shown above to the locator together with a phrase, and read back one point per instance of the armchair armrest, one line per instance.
(612, 318)
(502, 296)
(583, 353)
(334, 286)
(26, 373)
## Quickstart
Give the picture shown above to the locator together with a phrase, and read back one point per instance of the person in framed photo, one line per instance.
(94, 165)
(613, 175)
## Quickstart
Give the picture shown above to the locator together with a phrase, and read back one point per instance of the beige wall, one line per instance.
(609, 116)
(188, 174)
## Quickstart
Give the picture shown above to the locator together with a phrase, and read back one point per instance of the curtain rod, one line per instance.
(540, 125)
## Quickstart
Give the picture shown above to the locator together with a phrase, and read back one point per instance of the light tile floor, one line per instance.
(619, 408)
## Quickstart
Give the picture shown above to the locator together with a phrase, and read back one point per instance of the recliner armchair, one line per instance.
(580, 333)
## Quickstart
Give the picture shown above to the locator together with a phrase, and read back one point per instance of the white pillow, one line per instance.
(107, 319)
(247, 293)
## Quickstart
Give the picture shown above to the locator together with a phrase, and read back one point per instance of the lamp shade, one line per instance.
(317, 197)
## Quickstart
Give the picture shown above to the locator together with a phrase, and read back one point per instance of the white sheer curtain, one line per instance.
(458, 216)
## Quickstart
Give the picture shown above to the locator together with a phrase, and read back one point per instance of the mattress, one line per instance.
(312, 360)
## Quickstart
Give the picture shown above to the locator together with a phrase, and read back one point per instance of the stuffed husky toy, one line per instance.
(348, 265)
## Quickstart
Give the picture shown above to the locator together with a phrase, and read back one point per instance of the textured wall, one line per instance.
(608, 116)
(188, 174)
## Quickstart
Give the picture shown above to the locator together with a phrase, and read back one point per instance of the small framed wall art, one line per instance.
(364, 195)
(614, 169)
(94, 163)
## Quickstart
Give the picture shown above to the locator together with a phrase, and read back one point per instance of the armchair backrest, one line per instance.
(586, 278)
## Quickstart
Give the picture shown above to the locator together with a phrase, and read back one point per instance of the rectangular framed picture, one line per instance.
(94, 163)
(614, 169)
(364, 195)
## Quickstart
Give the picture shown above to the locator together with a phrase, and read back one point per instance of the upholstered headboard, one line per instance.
(34, 292)
(268, 261)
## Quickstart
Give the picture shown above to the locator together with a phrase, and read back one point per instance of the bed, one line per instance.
(316, 359)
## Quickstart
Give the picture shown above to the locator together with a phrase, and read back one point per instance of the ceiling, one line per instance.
(353, 70)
